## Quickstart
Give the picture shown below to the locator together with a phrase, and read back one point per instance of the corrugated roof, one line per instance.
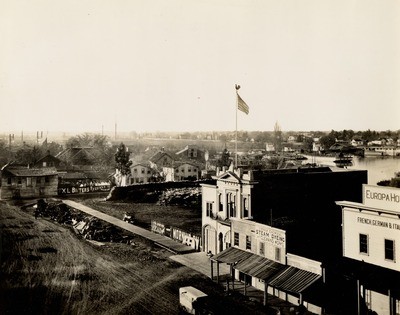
(277, 275)
(293, 279)
(24, 171)
(231, 255)
(259, 267)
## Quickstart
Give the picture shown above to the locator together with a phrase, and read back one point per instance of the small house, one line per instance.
(18, 181)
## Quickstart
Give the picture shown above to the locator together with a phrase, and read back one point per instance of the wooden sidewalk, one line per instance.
(160, 240)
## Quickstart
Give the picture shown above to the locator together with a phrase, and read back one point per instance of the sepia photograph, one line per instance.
(200, 157)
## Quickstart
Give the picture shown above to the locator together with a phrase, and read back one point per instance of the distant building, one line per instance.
(141, 173)
(181, 171)
(18, 181)
(269, 147)
(161, 159)
(48, 161)
(191, 152)
(357, 142)
(317, 147)
(78, 157)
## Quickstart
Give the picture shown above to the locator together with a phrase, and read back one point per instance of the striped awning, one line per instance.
(282, 277)
(293, 279)
(231, 255)
(259, 267)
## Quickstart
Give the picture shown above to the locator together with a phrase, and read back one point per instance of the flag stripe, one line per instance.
(242, 106)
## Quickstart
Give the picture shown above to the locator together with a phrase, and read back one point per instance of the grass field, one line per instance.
(187, 219)
(46, 268)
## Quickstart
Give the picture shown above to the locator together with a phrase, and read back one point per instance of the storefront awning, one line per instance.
(259, 267)
(282, 277)
(293, 279)
(231, 255)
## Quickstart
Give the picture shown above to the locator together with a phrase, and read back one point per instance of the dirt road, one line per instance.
(46, 268)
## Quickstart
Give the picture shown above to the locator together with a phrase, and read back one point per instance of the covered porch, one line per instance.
(255, 273)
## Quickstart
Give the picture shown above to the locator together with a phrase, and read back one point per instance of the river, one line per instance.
(379, 168)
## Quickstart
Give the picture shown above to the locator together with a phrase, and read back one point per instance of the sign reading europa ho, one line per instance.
(385, 198)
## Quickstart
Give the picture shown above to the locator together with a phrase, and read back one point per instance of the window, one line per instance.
(209, 209)
(142, 170)
(245, 208)
(29, 181)
(9, 181)
(397, 311)
(220, 205)
(134, 170)
(262, 249)
(363, 244)
(236, 239)
(277, 254)
(19, 181)
(189, 170)
(44, 164)
(47, 179)
(148, 171)
(38, 180)
(389, 249)
(230, 201)
(248, 242)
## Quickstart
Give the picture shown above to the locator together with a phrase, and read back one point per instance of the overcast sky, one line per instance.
(172, 65)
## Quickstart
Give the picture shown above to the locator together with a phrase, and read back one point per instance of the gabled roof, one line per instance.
(48, 157)
(187, 148)
(229, 176)
(77, 154)
(24, 171)
(143, 164)
(159, 155)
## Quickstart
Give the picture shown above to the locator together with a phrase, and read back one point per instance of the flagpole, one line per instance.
(236, 153)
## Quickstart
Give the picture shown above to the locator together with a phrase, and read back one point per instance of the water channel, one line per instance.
(379, 168)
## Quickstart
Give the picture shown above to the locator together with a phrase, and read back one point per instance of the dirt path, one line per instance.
(47, 269)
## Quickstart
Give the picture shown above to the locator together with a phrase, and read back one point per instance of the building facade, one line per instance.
(141, 174)
(181, 171)
(282, 217)
(19, 181)
(371, 246)
(258, 257)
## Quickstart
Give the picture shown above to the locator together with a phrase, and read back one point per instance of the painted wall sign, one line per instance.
(385, 198)
(270, 235)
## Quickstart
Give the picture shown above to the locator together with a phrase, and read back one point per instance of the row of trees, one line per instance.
(25, 153)
(347, 135)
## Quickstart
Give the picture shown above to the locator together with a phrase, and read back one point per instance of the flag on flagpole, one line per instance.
(242, 106)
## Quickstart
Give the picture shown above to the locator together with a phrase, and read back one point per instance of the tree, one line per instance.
(328, 140)
(224, 160)
(277, 137)
(123, 164)
(104, 153)
(308, 144)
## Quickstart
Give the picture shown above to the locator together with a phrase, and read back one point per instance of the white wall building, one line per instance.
(371, 236)
(256, 252)
(181, 171)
